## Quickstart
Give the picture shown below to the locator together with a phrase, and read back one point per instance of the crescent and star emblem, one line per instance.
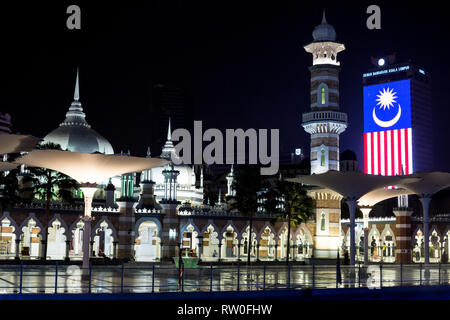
(386, 99)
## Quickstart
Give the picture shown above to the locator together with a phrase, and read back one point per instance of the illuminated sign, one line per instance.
(376, 73)
(387, 128)
(298, 151)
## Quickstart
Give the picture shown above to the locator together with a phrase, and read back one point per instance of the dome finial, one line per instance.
(169, 132)
(148, 152)
(76, 94)
(324, 19)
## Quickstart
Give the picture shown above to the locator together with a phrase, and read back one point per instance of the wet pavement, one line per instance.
(144, 279)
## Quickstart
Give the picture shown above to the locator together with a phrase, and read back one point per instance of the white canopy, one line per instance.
(15, 143)
(88, 168)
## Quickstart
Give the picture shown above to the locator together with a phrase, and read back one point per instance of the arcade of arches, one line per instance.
(25, 235)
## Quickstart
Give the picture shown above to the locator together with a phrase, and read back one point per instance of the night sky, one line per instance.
(242, 61)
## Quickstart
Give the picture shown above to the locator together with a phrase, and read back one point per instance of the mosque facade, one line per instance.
(150, 219)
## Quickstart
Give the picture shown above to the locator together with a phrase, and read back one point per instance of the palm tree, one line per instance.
(247, 184)
(49, 184)
(9, 190)
(298, 206)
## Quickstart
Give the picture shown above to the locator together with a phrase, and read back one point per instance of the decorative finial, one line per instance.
(324, 20)
(76, 94)
(169, 132)
(148, 152)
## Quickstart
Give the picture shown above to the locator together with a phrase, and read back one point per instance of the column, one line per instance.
(200, 242)
(276, 250)
(43, 250)
(425, 200)
(67, 250)
(91, 252)
(366, 211)
(86, 240)
(239, 250)
(220, 251)
(115, 243)
(352, 205)
(257, 251)
(403, 235)
(17, 249)
(170, 226)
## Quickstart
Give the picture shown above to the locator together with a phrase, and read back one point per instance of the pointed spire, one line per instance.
(324, 19)
(76, 94)
(148, 152)
(169, 132)
(220, 196)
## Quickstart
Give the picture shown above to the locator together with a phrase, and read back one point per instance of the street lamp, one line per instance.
(89, 170)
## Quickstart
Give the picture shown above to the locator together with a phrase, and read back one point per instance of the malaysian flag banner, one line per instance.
(387, 129)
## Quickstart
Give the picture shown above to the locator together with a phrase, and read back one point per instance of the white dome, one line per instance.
(75, 134)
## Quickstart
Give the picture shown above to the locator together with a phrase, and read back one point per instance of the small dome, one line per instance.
(324, 31)
(348, 155)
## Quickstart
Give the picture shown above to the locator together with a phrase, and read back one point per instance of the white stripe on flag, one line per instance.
(395, 152)
(375, 153)
(382, 151)
(389, 156)
(369, 153)
(403, 147)
(410, 150)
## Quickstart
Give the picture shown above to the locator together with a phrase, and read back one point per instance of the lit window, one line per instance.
(323, 95)
(322, 158)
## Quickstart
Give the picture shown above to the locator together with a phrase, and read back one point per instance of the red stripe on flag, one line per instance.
(365, 154)
(399, 134)
(392, 154)
(378, 153)
(406, 151)
(385, 154)
(372, 147)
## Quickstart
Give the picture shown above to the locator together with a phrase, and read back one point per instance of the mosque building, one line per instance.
(146, 216)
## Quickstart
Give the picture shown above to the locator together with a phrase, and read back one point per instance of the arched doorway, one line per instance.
(245, 242)
(30, 240)
(267, 245)
(76, 242)
(419, 247)
(7, 239)
(210, 246)
(103, 240)
(230, 244)
(189, 244)
(374, 244)
(435, 247)
(56, 241)
(148, 242)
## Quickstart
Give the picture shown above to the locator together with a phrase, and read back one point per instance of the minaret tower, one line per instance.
(324, 123)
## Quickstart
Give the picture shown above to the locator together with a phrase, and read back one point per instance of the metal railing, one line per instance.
(51, 279)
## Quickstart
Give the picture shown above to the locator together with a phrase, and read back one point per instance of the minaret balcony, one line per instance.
(321, 116)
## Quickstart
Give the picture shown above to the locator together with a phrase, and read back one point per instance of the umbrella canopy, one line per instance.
(427, 183)
(15, 143)
(348, 184)
(88, 168)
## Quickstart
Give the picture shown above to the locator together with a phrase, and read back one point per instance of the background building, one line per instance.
(168, 102)
(5, 123)
(398, 134)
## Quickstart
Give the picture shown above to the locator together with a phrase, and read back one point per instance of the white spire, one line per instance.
(220, 196)
(169, 132)
(76, 94)
(148, 152)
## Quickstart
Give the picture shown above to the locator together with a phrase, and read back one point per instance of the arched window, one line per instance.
(322, 158)
(322, 222)
(322, 94)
